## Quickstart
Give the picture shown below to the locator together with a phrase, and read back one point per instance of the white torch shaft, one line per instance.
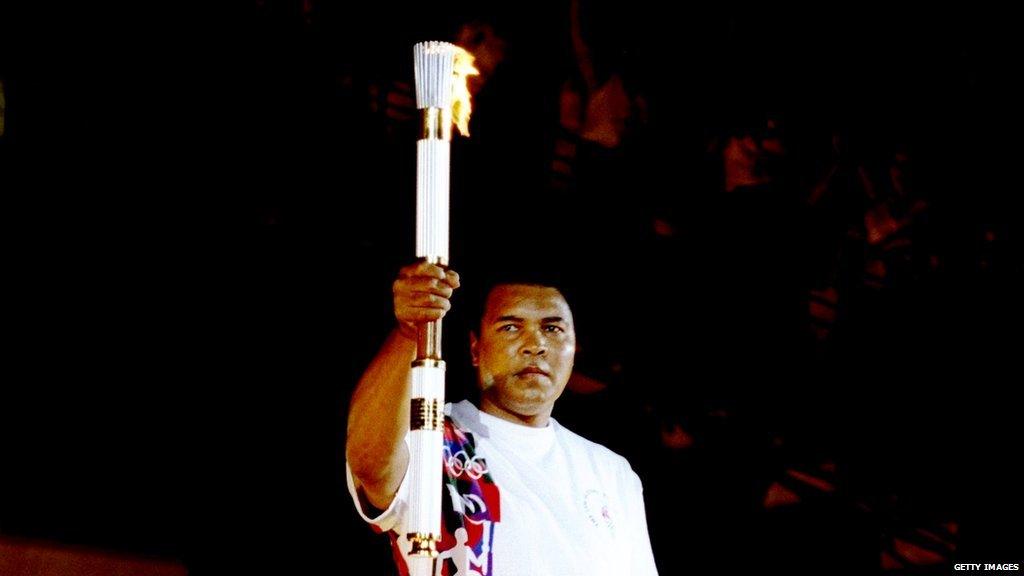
(425, 456)
(420, 566)
(435, 65)
(432, 185)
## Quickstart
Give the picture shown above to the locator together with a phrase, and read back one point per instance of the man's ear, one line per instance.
(474, 352)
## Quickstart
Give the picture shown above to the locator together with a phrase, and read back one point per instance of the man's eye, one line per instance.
(508, 328)
(553, 328)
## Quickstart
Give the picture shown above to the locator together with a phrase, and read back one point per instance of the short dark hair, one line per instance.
(478, 288)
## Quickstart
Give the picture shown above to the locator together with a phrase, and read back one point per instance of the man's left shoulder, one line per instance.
(594, 451)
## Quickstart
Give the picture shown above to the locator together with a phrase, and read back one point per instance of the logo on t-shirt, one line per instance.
(595, 503)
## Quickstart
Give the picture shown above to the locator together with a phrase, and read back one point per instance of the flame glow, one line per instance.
(461, 105)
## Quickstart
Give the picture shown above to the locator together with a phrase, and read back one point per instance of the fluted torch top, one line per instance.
(442, 70)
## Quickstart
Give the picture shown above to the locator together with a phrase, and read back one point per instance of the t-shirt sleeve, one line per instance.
(642, 561)
(385, 520)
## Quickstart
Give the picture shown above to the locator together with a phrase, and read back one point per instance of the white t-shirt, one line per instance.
(567, 506)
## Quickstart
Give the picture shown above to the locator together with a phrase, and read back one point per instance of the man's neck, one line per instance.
(531, 420)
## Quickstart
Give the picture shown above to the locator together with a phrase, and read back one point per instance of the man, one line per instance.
(523, 495)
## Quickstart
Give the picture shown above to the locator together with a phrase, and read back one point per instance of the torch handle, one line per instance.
(428, 341)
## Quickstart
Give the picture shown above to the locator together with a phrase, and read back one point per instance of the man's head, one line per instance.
(523, 351)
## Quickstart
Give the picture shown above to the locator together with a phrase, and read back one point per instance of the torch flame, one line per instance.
(461, 105)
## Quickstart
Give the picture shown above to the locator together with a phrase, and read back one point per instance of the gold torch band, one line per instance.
(436, 124)
(423, 544)
(429, 363)
(425, 414)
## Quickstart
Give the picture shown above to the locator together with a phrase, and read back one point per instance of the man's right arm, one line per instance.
(378, 417)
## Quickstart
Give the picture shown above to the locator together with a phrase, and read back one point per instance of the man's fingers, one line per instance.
(426, 269)
(421, 307)
(422, 292)
(426, 300)
(409, 287)
(421, 315)
(422, 269)
(453, 278)
(426, 278)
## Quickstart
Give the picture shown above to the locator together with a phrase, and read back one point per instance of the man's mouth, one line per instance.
(531, 370)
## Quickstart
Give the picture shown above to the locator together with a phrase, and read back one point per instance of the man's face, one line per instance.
(525, 351)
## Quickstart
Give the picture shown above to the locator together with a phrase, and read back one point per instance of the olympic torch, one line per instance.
(442, 97)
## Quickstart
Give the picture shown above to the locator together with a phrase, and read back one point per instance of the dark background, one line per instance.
(204, 207)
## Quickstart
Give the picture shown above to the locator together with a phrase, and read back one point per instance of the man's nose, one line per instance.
(534, 344)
